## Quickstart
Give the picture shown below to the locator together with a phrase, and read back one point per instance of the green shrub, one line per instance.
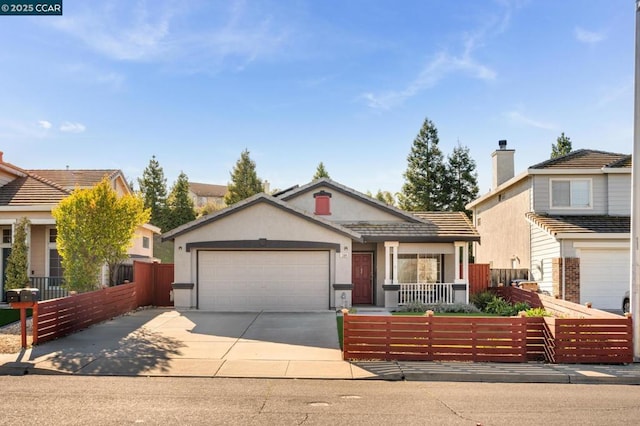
(538, 312)
(481, 300)
(521, 306)
(413, 306)
(455, 308)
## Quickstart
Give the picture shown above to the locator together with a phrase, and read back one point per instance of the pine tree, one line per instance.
(461, 184)
(321, 172)
(17, 272)
(153, 187)
(561, 147)
(244, 180)
(180, 206)
(386, 197)
(425, 173)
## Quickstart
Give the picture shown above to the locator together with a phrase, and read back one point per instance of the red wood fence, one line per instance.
(479, 277)
(429, 338)
(58, 317)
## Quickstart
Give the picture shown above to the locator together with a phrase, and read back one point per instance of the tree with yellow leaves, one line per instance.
(95, 227)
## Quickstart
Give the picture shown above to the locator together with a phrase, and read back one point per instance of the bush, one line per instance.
(439, 308)
(538, 312)
(499, 306)
(413, 306)
(481, 300)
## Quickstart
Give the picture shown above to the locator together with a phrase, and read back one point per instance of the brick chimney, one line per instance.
(503, 165)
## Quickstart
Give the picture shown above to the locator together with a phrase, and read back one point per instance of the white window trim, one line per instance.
(570, 180)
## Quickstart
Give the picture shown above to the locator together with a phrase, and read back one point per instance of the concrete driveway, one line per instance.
(163, 342)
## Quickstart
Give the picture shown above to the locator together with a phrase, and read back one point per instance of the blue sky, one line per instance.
(296, 82)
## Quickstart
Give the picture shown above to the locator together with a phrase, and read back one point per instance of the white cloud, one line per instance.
(519, 118)
(154, 32)
(444, 64)
(44, 124)
(69, 127)
(589, 37)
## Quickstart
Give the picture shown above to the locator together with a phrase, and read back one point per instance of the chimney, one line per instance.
(323, 203)
(1, 159)
(502, 164)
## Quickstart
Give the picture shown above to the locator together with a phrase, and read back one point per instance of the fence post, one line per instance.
(523, 341)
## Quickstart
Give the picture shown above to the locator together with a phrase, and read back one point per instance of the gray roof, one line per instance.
(600, 224)
(586, 159)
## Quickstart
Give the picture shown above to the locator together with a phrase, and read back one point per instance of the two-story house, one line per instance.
(566, 219)
(204, 194)
(33, 194)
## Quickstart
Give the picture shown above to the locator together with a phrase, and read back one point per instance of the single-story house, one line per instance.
(316, 247)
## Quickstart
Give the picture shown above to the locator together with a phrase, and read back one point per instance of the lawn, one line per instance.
(7, 316)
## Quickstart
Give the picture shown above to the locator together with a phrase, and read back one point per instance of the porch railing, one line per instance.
(49, 287)
(427, 293)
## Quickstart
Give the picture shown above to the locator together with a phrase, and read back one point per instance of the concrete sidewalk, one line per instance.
(163, 342)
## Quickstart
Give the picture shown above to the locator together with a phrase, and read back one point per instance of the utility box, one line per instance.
(13, 296)
(29, 295)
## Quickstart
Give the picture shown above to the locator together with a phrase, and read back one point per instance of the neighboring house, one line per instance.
(33, 194)
(567, 220)
(204, 194)
(316, 247)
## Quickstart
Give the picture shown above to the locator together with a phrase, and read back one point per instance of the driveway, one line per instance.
(163, 342)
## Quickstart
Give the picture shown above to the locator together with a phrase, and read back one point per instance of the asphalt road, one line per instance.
(71, 400)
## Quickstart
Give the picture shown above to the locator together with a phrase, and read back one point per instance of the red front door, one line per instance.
(362, 278)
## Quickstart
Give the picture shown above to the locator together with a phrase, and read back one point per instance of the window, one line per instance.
(53, 235)
(6, 236)
(55, 264)
(419, 268)
(145, 242)
(571, 193)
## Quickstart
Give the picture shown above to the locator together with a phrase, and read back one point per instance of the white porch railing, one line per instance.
(427, 293)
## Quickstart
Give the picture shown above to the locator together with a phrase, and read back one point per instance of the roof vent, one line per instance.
(323, 203)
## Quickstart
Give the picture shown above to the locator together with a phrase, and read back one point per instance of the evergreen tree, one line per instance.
(95, 227)
(244, 180)
(386, 197)
(180, 206)
(423, 187)
(153, 187)
(321, 172)
(561, 147)
(17, 272)
(461, 183)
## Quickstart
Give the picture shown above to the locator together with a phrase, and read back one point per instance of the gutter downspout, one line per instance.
(564, 287)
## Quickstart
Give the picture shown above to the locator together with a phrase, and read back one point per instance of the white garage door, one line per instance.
(604, 277)
(263, 280)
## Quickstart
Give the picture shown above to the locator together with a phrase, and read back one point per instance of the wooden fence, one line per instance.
(429, 338)
(505, 276)
(59, 317)
(479, 277)
(576, 334)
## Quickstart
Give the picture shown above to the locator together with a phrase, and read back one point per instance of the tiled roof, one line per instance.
(48, 186)
(72, 179)
(29, 190)
(582, 224)
(584, 159)
(207, 190)
(434, 227)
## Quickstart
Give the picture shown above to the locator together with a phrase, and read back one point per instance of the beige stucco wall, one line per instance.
(262, 221)
(137, 246)
(343, 208)
(504, 230)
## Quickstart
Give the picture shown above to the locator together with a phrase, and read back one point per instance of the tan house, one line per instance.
(317, 247)
(33, 194)
(567, 220)
(204, 194)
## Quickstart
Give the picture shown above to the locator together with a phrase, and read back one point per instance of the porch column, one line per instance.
(462, 266)
(391, 286)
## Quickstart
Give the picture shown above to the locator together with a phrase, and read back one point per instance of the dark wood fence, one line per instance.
(429, 338)
(59, 317)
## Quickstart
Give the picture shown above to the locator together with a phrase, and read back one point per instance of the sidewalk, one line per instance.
(167, 343)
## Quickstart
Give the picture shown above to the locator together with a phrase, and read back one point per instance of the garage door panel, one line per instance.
(264, 280)
(604, 277)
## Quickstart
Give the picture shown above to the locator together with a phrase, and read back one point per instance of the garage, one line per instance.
(255, 280)
(604, 276)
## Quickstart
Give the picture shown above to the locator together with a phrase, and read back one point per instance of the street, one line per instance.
(71, 400)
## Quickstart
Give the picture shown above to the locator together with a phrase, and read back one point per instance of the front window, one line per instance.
(420, 268)
(6, 236)
(145, 242)
(571, 193)
(55, 260)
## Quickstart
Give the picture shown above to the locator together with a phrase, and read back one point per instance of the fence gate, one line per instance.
(161, 276)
